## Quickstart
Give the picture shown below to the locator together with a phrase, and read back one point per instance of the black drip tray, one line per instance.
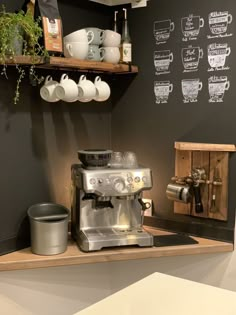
(172, 240)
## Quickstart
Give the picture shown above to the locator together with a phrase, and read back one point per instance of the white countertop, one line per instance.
(160, 294)
(9, 307)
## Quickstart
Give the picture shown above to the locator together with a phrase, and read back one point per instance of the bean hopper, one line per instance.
(107, 205)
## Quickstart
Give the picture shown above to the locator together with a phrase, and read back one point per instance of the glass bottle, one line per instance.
(115, 26)
(126, 46)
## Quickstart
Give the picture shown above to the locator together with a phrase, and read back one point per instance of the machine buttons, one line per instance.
(130, 179)
(100, 180)
(92, 181)
(144, 179)
(137, 179)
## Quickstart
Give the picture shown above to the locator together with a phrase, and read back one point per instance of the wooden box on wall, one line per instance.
(214, 159)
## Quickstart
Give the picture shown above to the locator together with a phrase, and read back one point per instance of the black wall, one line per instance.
(39, 140)
(150, 129)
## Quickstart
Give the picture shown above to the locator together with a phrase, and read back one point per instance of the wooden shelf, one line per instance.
(24, 259)
(25, 60)
(190, 146)
(61, 63)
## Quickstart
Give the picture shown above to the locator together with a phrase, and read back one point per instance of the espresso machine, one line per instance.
(107, 206)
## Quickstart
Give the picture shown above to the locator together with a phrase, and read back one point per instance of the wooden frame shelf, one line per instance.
(191, 146)
(213, 160)
(61, 63)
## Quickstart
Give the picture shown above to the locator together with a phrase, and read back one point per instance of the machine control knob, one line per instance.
(137, 179)
(119, 185)
(100, 180)
(144, 179)
(129, 179)
(92, 181)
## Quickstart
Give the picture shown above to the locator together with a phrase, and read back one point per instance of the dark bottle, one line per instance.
(126, 45)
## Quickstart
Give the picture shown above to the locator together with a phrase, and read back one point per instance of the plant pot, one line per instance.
(16, 42)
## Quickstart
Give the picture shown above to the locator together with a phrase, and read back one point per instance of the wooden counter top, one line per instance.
(24, 259)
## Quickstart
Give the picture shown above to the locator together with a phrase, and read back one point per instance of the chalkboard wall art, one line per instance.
(162, 61)
(162, 30)
(190, 89)
(190, 58)
(162, 89)
(191, 26)
(218, 24)
(217, 85)
(217, 53)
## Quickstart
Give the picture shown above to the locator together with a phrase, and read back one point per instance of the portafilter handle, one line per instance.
(198, 174)
(198, 199)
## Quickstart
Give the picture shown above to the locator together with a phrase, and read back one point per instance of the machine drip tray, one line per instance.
(172, 240)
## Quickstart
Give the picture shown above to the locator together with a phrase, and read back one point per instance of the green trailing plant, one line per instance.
(20, 35)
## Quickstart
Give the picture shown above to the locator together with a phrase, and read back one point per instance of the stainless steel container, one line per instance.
(180, 193)
(49, 228)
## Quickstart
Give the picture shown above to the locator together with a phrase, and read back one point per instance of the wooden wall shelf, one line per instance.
(213, 159)
(191, 146)
(61, 63)
(24, 259)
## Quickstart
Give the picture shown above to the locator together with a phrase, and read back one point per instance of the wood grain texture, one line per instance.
(24, 259)
(205, 146)
(183, 167)
(219, 161)
(25, 60)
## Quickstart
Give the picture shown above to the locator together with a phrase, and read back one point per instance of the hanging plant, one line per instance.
(20, 35)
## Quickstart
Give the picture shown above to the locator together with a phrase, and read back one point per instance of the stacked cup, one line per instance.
(95, 53)
(111, 46)
(76, 44)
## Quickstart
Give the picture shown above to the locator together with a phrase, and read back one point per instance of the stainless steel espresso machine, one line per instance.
(107, 206)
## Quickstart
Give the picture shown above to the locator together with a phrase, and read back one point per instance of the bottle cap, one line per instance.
(115, 14)
(125, 10)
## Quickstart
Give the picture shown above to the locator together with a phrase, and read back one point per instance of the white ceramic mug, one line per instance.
(79, 36)
(47, 91)
(67, 90)
(111, 39)
(95, 53)
(111, 54)
(86, 89)
(103, 90)
(76, 50)
(98, 35)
